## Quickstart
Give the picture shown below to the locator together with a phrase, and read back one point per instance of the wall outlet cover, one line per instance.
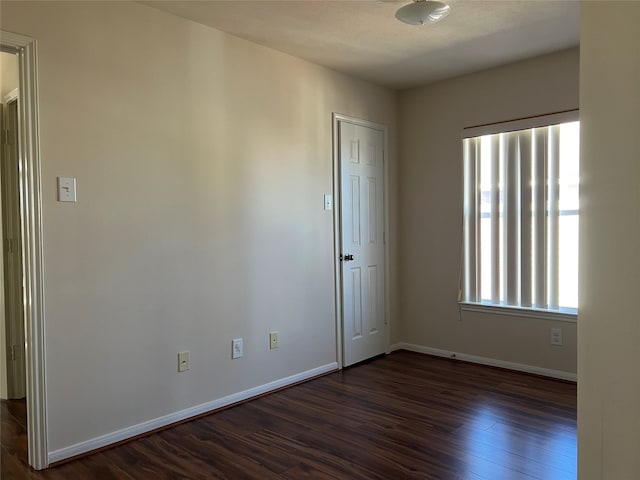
(237, 349)
(556, 336)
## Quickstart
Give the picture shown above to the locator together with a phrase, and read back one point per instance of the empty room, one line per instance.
(320, 239)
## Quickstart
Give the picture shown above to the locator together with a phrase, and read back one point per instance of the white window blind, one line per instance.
(521, 213)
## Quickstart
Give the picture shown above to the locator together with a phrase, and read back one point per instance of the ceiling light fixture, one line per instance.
(421, 12)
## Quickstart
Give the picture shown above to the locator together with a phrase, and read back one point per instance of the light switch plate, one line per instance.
(66, 189)
(328, 202)
(273, 340)
(183, 361)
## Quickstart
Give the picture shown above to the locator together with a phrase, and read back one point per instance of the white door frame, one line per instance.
(31, 212)
(337, 227)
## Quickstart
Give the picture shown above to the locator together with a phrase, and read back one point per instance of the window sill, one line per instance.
(561, 316)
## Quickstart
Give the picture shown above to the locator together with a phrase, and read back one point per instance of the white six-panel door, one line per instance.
(362, 242)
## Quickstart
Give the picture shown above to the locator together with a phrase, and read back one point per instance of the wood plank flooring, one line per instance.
(405, 416)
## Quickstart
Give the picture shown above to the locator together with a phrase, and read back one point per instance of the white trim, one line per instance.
(13, 42)
(520, 367)
(160, 422)
(336, 239)
(512, 311)
(11, 96)
(31, 212)
(521, 124)
(337, 227)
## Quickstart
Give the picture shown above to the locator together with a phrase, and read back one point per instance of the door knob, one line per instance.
(348, 257)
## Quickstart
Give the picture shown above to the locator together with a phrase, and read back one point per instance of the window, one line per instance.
(521, 214)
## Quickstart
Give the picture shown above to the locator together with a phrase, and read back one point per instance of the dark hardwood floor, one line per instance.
(405, 416)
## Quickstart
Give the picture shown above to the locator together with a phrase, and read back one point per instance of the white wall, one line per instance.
(201, 163)
(609, 329)
(430, 208)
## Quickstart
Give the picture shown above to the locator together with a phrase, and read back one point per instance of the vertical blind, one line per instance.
(511, 213)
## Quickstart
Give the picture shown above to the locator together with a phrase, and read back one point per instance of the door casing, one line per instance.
(337, 230)
(32, 255)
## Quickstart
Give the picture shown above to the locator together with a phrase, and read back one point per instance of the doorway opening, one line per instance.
(13, 376)
(12, 327)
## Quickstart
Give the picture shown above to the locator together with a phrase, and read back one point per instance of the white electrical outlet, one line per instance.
(556, 336)
(273, 340)
(236, 348)
(183, 361)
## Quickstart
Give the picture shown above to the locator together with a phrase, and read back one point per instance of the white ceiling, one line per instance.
(363, 38)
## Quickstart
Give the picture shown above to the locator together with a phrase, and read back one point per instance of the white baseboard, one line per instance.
(520, 367)
(148, 426)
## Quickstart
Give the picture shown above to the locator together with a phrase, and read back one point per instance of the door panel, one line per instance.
(362, 223)
(355, 310)
(12, 256)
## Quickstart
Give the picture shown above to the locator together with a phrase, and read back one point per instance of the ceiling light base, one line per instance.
(422, 12)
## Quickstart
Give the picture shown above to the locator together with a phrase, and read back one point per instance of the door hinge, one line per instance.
(4, 135)
(13, 352)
